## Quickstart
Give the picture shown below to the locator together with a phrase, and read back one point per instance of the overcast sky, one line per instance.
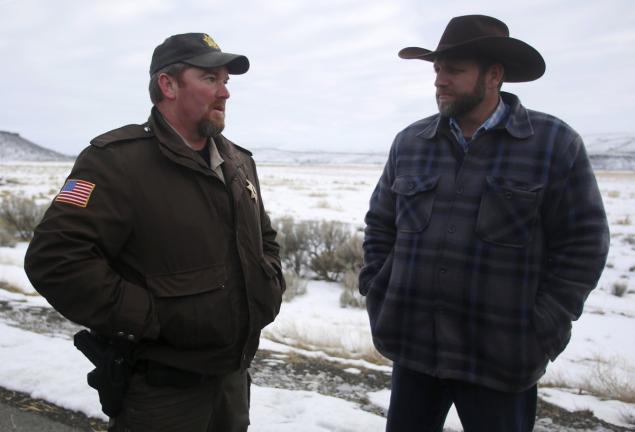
(324, 74)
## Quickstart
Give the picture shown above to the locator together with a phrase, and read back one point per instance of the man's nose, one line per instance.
(440, 80)
(223, 92)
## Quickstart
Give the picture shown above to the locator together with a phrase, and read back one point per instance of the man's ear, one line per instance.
(168, 85)
(495, 75)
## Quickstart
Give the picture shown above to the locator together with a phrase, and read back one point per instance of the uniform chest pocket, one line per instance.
(414, 199)
(508, 212)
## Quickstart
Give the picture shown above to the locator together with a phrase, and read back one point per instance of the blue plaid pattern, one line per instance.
(475, 266)
(501, 111)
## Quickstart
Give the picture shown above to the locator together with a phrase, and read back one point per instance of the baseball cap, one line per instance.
(196, 49)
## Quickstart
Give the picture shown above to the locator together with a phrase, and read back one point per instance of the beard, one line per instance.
(208, 129)
(464, 102)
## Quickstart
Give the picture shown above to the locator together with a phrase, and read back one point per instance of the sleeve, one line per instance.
(577, 243)
(380, 231)
(270, 246)
(69, 261)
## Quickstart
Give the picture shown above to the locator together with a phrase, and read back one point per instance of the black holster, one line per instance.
(113, 368)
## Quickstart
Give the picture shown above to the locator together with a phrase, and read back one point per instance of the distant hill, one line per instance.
(14, 148)
(611, 152)
(608, 152)
(278, 156)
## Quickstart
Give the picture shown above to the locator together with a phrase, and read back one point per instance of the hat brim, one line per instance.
(236, 64)
(522, 62)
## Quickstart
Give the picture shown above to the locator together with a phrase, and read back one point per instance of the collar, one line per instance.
(175, 148)
(494, 119)
(216, 160)
(517, 123)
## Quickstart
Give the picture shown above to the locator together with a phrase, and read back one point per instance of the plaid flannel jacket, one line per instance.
(476, 264)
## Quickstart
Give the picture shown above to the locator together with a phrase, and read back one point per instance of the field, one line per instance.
(596, 372)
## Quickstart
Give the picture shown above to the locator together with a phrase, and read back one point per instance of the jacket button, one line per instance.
(120, 334)
(443, 270)
(131, 337)
(508, 195)
(451, 229)
(411, 186)
(459, 190)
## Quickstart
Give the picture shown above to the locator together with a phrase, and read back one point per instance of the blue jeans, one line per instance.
(420, 403)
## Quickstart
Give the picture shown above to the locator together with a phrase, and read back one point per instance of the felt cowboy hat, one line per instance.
(484, 36)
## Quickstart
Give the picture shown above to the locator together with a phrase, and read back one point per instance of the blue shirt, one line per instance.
(501, 111)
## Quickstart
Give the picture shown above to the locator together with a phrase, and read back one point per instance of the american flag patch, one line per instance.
(76, 192)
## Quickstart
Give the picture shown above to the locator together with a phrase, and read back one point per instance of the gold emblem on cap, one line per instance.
(210, 42)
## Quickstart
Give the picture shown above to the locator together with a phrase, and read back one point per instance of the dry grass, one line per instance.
(324, 204)
(14, 289)
(604, 381)
(331, 345)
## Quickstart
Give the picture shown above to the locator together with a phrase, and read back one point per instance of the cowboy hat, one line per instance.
(484, 36)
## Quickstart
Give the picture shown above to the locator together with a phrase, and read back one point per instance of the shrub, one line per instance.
(327, 249)
(7, 238)
(324, 240)
(619, 288)
(20, 215)
(293, 239)
(350, 253)
(351, 297)
(296, 286)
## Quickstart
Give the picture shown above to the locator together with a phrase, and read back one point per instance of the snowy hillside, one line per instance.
(608, 152)
(611, 152)
(14, 148)
(290, 157)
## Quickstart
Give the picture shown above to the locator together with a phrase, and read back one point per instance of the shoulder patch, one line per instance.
(75, 192)
(125, 133)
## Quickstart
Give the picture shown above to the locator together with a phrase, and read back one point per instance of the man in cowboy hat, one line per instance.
(159, 240)
(485, 234)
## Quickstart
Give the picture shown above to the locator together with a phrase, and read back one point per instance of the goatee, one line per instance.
(208, 129)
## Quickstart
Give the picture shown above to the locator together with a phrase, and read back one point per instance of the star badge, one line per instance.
(252, 190)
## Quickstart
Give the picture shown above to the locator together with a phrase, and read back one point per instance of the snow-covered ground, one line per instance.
(599, 359)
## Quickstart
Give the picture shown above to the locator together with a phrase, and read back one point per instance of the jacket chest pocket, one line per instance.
(194, 307)
(508, 212)
(414, 200)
